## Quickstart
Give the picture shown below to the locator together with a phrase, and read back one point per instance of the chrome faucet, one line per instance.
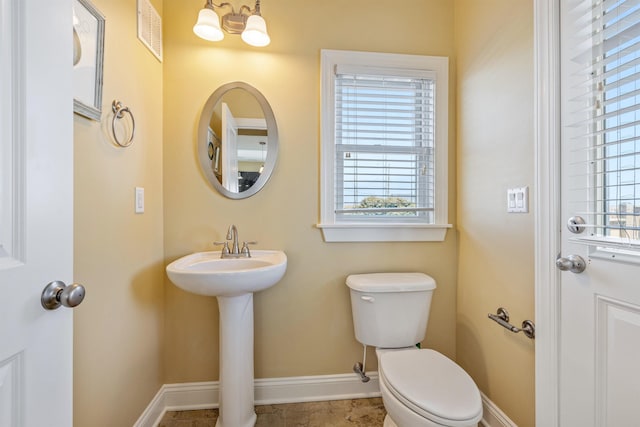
(232, 233)
(235, 251)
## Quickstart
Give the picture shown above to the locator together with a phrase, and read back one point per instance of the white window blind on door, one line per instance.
(604, 140)
(384, 146)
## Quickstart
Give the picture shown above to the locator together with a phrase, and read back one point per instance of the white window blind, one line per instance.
(604, 140)
(384, 146)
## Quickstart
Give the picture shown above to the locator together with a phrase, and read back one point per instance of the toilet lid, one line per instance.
(432, 385)
(391, 282)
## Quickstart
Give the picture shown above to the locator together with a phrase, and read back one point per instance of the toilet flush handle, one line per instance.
(367, 298)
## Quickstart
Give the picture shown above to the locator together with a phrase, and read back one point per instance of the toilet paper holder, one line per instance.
(502, 318)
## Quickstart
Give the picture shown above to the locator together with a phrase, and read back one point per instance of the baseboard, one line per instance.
(204, 395)
(154, 411)
(492, 416)
(314, 389)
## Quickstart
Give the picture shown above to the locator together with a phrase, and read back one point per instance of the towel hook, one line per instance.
(118, 113)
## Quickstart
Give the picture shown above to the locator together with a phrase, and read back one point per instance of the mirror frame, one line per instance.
(272, 140)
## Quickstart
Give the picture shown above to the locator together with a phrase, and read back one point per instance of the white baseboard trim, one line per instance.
(204, 395)
(269, 391)
(314, 389)
(492, 416)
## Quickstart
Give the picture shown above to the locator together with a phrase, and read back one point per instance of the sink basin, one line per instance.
(205, 273)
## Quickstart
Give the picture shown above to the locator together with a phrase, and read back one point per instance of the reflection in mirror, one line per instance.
(237, 140)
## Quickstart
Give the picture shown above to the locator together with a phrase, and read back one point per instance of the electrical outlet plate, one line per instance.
(518, 200)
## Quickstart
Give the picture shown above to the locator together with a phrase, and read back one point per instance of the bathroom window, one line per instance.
(384, 147)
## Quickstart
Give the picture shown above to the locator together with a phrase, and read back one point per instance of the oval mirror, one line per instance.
(237, 140)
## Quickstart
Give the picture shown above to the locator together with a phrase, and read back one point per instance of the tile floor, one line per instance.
(335, 413)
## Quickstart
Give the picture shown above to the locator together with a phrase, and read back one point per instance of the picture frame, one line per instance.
(213, 147)
(88, 56)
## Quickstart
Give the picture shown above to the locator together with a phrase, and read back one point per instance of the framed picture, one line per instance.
(88, 54)
(213, 147)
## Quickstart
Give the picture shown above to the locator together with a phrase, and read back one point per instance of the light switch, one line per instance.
(139, 203)
(518, 200)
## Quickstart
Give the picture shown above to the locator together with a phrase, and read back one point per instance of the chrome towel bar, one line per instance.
(502, 318)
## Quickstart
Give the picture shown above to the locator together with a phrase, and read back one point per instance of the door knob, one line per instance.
(572, 263)
(57, 293)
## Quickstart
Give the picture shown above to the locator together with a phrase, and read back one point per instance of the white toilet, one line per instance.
(419, 387)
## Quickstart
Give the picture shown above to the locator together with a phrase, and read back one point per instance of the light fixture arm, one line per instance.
(210, 5)
(255, 11)
(245, 7)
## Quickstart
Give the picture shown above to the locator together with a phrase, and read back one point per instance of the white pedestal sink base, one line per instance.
(236, 362)
(233, 280)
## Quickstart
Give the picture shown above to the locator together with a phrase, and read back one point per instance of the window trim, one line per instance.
(342, 231)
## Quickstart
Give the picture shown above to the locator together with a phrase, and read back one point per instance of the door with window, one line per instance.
(599, 373)
(229, 150)
(36, 211)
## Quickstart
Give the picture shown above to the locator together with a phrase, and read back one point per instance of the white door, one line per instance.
(36, 209)
(229, 150)
(599, 345)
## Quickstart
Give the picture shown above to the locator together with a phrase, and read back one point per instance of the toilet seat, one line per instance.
(432, 386)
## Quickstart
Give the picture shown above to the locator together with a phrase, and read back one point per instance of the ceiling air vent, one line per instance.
(150, 28)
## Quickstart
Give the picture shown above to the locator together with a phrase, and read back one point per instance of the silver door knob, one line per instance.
(572, 263)
(56, 294)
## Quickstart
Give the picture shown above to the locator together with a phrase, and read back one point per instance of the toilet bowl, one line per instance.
(419, 387)
(424, 388)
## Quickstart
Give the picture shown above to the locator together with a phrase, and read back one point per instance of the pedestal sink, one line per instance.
(233, 281)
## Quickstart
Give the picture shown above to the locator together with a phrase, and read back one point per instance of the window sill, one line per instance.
(383, 232)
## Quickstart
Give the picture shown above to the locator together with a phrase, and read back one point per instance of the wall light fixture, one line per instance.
(247, 22)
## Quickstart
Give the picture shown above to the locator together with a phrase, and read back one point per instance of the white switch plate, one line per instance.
(518, 200)
(139, 204)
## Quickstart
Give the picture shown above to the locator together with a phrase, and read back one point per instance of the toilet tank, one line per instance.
(390, 310)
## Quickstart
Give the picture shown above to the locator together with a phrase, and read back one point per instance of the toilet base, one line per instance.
(388, 422)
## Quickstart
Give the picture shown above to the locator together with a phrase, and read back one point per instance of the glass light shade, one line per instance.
(255, 32)
(208, 26)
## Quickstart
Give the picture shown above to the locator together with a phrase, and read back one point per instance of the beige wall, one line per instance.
(136, 331)
(494, 46)
(303, 325)
(118, 329)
